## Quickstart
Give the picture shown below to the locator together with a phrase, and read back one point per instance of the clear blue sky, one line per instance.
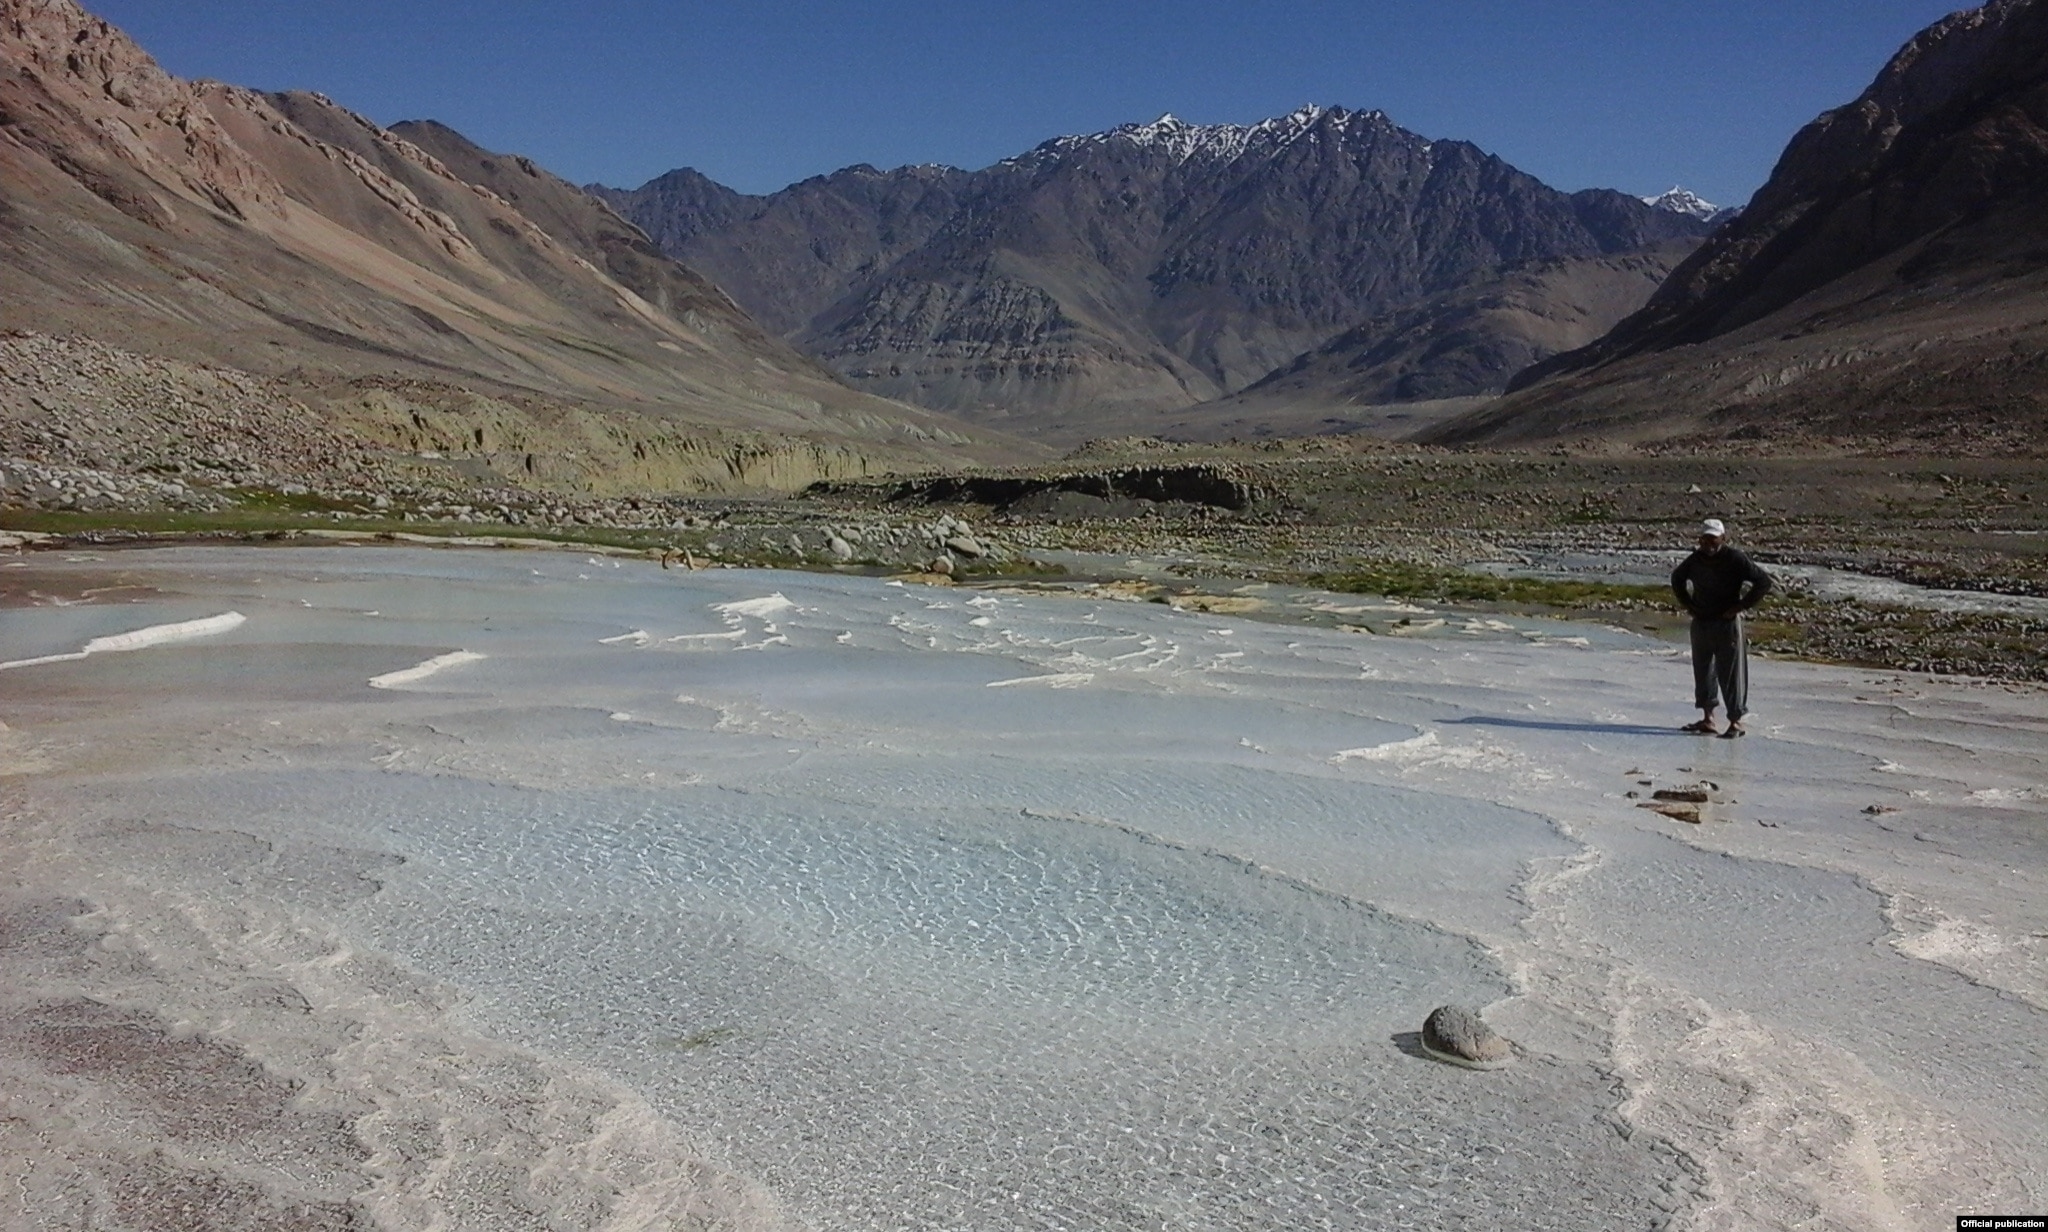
(1629, 94)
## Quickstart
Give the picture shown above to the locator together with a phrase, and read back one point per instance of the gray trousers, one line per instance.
(1720, 665)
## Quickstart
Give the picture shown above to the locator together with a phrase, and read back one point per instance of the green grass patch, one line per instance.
(1019, 568)
(1769, 635)
(274, 516)
(271, 500)
(1400, 580)
(243, 520)
(284, 518)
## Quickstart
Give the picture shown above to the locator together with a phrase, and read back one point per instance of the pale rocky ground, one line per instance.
(272, 286)
(135, 420)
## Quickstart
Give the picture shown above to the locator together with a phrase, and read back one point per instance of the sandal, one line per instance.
(1734, 731)
(1705, 727)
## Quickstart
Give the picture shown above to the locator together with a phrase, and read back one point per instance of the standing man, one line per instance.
(1717, 584)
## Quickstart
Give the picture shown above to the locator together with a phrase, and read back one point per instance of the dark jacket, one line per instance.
(1710, 584)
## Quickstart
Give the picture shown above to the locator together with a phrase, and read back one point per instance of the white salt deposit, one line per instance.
(759, 609)
(937, 911)
(1051, 680)
(420, 671)
(1427, 751)
(141, 639)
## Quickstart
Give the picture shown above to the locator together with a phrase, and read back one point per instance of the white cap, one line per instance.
(1712, 526)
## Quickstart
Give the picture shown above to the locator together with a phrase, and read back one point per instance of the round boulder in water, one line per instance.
(1455, 1034)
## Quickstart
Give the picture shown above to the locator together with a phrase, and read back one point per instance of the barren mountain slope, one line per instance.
(1139, 270)
(1465, 343)
(287, 238)
(1887, 284)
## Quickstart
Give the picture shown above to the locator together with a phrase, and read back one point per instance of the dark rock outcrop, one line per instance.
(1217, 485)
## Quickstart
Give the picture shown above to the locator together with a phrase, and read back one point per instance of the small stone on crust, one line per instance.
(1459, 1036)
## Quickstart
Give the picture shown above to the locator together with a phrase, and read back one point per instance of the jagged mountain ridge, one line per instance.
(1151, 266)
(285, 237)
(1890, 280)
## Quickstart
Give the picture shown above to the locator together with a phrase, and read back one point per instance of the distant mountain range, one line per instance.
(1302, 274)
(1145, 269)
(454, 303)
(1889, 283)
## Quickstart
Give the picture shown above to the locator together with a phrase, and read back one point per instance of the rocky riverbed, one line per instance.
(146, 449)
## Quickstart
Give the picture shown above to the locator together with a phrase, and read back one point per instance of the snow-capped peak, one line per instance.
(1684, 201)
(1218, 143)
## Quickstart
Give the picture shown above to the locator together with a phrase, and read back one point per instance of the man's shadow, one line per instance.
(1612, 729)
